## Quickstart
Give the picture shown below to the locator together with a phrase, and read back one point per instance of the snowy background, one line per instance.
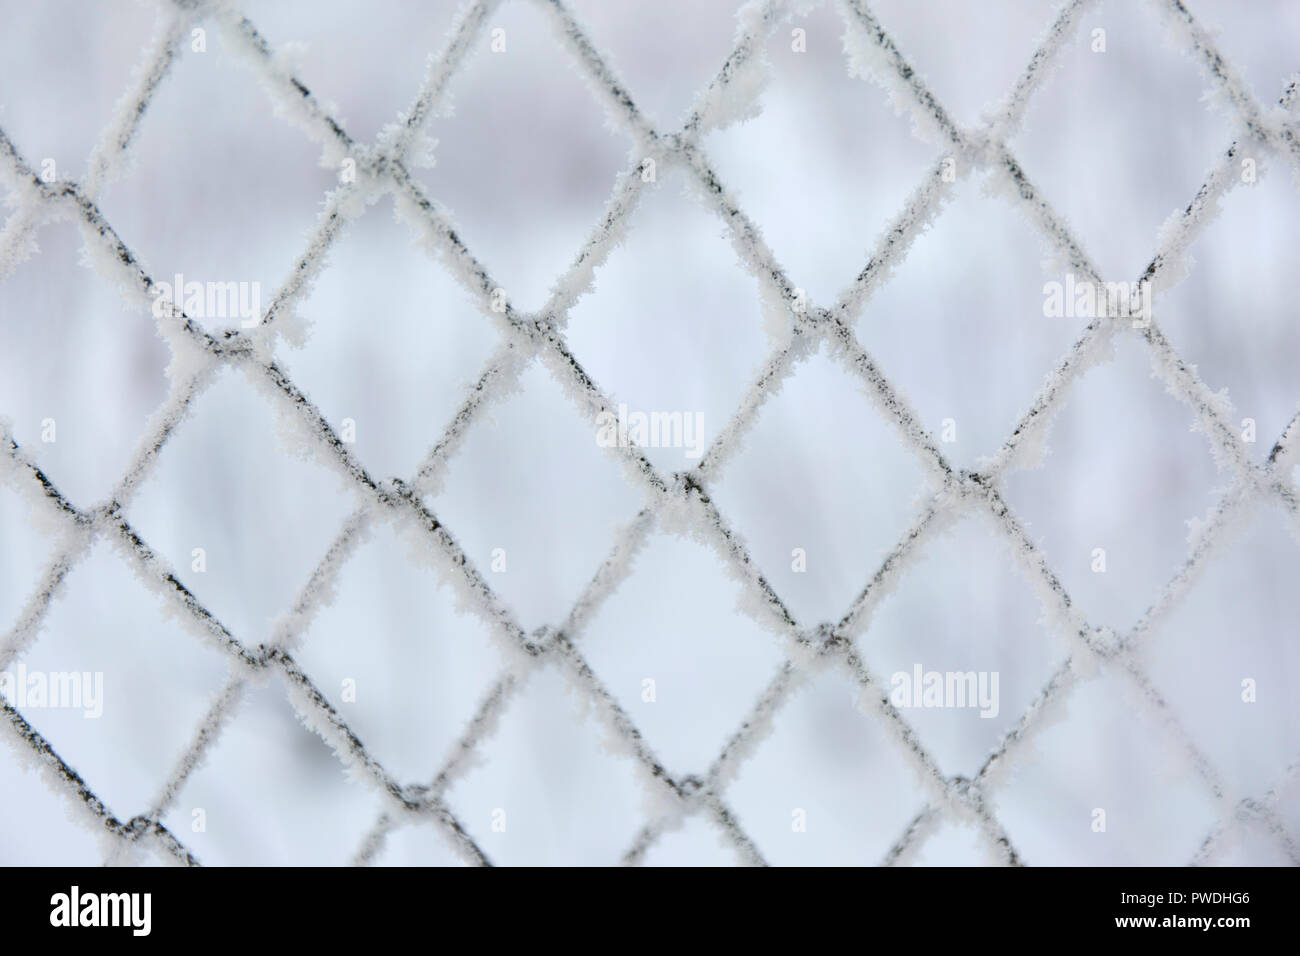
(221, 188)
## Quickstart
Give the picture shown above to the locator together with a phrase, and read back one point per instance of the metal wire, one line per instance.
(680, 501)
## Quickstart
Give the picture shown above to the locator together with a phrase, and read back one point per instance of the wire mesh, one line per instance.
(682, 501)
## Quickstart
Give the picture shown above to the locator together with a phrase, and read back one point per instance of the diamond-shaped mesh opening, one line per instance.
(238, 789)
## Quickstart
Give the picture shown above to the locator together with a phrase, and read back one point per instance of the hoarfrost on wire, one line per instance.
(678, 504)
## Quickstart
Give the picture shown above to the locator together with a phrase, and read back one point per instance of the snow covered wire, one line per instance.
(679, 503)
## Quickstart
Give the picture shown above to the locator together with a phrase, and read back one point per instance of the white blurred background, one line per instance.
(222, 188)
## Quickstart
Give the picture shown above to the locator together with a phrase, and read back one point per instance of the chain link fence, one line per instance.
(681, 502)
